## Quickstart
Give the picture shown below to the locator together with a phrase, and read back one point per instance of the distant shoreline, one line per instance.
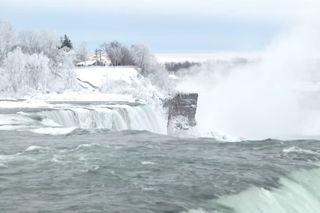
(200, 57)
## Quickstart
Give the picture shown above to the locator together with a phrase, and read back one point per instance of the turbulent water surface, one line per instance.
(137, 171)
(104, 158)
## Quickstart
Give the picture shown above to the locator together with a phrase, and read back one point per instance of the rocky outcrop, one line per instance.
(182, 110)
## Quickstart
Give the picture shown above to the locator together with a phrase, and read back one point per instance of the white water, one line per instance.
(116, 117)
(299, 193)
(66, 119)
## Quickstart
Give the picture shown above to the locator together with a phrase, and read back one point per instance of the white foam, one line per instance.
(298, 193)
(196, 211)
(295, 149)
(9, 157)
(14, 119)
(31, 103)
(117, 117)
(87, 145)
(147, 163)
(53, 131)
(51, 123)
(35, 148)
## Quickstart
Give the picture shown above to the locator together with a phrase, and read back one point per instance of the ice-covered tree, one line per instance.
(65, 72)
(13, 72)
(60, 59)
(118, 54)
(37, 71)
(36, 42)
(126, 59)
(25, 73)
(34, 61)
(144, 59)
(82, 52)
(149, 67)
(7, 39)
(113, 51)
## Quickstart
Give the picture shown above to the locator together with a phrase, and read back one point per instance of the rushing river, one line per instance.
(91, 159)
(132, 171)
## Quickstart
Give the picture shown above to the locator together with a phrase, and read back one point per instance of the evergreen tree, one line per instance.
(66, 42)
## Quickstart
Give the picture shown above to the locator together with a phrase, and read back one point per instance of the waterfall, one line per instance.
(297, 193)
(113, 117)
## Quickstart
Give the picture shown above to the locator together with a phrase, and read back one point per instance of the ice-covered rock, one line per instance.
(182, 110)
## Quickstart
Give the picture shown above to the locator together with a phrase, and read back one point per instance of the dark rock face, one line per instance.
(182, 109)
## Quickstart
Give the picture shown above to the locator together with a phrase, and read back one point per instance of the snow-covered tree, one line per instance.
(65, 71)
(126, 59)
(25, 73)
(82, 52)
(113, 51)
(7, 39)
(62, 74)
(149, 67)
(37, 71)
(14, 67)
(144, 59)
(34, 61)
(36, 42)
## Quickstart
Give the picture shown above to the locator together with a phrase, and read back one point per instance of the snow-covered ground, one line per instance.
(114, 98)
(91, 80)
(98, 75)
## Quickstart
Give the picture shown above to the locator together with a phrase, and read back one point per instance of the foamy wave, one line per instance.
(53, 131)
(295, 149)
(51, 123)
(298, 193)
(221, 137)
(11, 127)
(195, 211)
(147, 163)
(35, 148)
(86, 145)
(6, 158)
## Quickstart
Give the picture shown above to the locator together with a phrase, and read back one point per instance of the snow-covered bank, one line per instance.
(110, 98)
(91, 79)
(100, 83)
(100, 75)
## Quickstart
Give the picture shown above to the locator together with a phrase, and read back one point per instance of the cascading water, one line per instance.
(67, 118)
(116, 117)
(298, 193)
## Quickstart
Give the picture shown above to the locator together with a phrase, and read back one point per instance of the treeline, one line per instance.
(176, 66)
(39, 61)
(138, 55)
(34, 61)
(135, 55)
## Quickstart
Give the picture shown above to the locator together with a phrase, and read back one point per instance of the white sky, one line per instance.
(218, 20)
(258, 8)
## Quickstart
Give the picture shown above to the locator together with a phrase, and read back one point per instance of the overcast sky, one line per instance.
(176, 26)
